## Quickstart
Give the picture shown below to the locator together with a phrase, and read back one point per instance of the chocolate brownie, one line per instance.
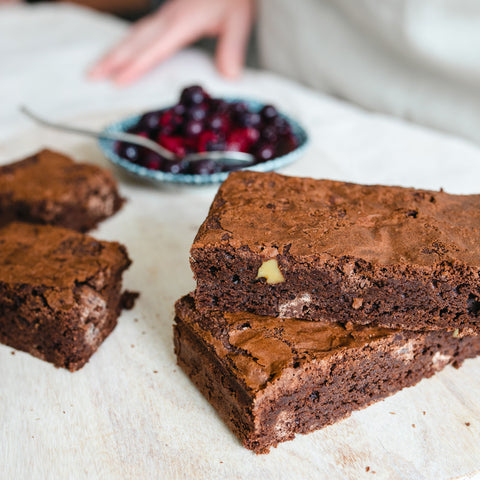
(271, 378)
(50, 188)
(60, 291)
(299, 247)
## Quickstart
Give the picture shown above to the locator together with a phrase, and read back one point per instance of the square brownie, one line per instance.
(271, 378)
(60, 291)
(370, 254)
(50, 188)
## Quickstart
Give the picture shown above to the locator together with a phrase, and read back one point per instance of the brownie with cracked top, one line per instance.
(50, 188)
(60, 291)
(370, 254)
(271, 378)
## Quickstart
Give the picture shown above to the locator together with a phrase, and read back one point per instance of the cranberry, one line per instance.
(237, 141)
(207, 139)
(174, 144)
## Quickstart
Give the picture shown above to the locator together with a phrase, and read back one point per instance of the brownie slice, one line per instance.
(50, 188)
(271, 378)
(299, 247)
(60, 292)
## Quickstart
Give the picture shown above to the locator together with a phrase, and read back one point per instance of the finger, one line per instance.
(125, 51)
(166, 44)
(232, 43)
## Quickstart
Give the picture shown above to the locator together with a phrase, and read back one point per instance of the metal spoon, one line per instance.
(224, 157)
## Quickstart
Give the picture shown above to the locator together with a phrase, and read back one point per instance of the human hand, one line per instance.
(172, 27)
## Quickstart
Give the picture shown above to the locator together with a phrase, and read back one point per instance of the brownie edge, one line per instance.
(271, 378)
(60, 292)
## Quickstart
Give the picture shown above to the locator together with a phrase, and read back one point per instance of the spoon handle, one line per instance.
(121, 136)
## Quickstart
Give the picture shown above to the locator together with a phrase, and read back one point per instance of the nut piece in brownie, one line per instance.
(299, 247)
(50, 188)
(271, 378)
(60, 291)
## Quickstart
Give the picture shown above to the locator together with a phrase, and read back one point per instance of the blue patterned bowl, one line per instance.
(108, 148)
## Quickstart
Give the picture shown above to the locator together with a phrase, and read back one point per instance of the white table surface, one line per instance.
(131, 412)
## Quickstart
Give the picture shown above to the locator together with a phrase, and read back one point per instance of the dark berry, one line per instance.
(197, 112)
(179, 109)
(203, 167)
(152, 161)
(193, 95)
(269, 133)
(248, 119)
(237, 109)
(150, 120)
(282, 126)
(217, 122)
(193, 128)
(265, 152)
(218, 105)
(268, 112)
(177, 166)
(129, 151)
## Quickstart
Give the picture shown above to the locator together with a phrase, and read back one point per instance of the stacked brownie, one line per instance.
(60, 290)
(315, 298)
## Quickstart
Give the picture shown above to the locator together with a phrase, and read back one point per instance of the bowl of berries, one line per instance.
(203, 135)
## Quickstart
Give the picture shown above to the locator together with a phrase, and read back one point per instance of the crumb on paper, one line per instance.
(467, 424)
(367, 469)
(12, 352)
(392, 413)
(128, 299)
(413, 425)
(155, 371)
(424, 412)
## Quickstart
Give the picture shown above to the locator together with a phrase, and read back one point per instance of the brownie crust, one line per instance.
(390, 256)
(270, 379)
(60, 292)
(50, 188)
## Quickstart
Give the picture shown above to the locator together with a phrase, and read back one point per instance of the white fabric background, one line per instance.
(130, 413)
(416, 59)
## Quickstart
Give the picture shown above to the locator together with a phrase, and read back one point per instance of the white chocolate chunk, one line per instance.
(271, 272)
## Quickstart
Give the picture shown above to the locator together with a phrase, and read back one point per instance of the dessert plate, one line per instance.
(108, 148)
